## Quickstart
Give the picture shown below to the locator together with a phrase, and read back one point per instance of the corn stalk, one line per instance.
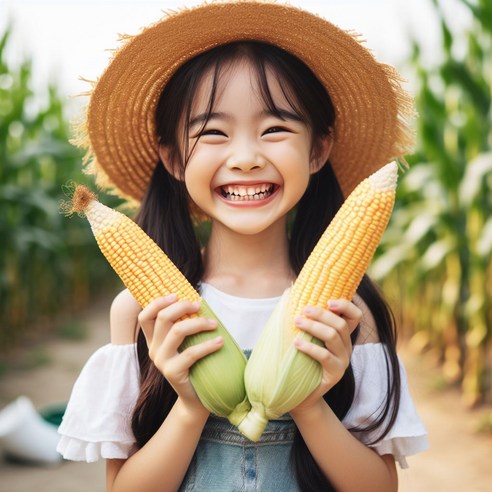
(440, 236)
(47, 263)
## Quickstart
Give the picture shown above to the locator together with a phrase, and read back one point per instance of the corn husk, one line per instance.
(278, 376)
(218, 378)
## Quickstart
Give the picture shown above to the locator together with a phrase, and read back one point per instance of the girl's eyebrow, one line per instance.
(202, 118)
(283, 114)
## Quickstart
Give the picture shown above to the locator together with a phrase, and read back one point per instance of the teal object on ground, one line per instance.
(53, 414)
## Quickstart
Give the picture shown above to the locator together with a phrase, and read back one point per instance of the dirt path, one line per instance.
(459, 459)
(48, 385)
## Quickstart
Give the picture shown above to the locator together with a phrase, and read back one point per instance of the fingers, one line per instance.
(321, 354)
(181, 363)
(148, 315)
(332, 343)
(347, 310)
(158, 316)
(166, 323)
(175, 336)
(333, 327)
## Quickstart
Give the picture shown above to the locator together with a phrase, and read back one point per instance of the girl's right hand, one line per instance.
(165, 330)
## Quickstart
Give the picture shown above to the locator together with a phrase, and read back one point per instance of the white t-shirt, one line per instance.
(97, 422)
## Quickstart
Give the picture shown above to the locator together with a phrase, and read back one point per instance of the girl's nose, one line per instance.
(245, 157)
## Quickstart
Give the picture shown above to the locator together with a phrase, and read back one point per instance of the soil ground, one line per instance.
(459, 458)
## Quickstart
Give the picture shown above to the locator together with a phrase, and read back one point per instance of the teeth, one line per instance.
(242, 193)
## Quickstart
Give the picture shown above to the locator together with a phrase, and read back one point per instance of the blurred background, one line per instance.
(434, 262)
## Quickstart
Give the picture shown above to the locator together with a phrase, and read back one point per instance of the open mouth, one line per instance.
(247, 193)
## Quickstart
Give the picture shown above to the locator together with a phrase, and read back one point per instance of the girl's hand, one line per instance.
(165, 330)
(334, 327)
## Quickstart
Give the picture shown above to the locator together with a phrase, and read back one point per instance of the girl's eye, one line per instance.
(275, 129)
(211, 131)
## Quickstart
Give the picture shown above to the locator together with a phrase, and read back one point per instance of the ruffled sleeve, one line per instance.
(408, 434)
(97, 420)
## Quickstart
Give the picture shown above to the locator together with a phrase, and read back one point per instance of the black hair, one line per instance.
(165, 216)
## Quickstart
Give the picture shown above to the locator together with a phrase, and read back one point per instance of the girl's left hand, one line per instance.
(333, 326)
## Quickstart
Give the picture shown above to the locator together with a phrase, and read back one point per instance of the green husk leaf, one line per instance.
(278, 376)
(218, 378)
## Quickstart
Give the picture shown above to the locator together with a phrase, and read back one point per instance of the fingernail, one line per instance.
(299, 320)
(212, 322)
(218, 340)
(309, 310)
(171, 297)
(298, 342)
(333, 304)
(196, 305)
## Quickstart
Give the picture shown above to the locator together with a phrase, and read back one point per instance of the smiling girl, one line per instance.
(259, 118)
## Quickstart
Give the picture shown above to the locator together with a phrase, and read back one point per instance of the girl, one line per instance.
(259, 118)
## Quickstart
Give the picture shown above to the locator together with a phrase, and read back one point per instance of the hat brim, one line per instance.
(371, 107)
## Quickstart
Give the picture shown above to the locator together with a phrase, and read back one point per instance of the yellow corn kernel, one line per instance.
(148, 274)
(278, 377)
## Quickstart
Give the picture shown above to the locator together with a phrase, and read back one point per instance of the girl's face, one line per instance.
(248, 167)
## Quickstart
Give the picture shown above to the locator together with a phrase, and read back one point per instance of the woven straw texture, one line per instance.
(372, 109)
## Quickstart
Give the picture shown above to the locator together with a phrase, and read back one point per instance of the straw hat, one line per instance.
(372, 109)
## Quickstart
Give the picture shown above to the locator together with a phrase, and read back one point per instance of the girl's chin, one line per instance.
(249, 224)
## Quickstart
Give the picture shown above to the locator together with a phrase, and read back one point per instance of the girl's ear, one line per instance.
(321, 153)
(168, 159)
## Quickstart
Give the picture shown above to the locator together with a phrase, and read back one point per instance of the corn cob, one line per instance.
(148, 274)
(278, 377)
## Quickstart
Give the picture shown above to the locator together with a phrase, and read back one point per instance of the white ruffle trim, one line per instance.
(97, 420)
(401, 447)
(76, 450)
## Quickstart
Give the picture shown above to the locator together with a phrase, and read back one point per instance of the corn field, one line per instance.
(437, 251)
(50, 265)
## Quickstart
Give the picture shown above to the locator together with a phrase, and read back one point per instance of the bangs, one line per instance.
(222, 65)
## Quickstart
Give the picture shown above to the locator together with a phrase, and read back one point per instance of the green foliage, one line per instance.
(72, 330)
(438, 247)
(49, 264)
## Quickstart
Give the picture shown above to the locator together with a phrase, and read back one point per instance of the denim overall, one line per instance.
(226, 461)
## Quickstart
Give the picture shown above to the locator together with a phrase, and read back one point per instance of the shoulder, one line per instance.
(368, 332)
(123, 318)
